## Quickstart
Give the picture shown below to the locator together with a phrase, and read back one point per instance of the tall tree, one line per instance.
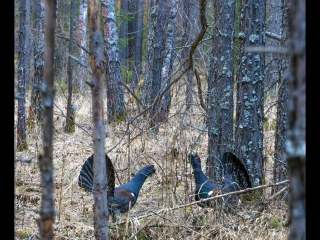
(296, 135)
(23, 72)
(190, 26)
(123, 31)
(280, 167)
(220, 87)
(47, 211)
(71, 109)
(115, 104)
(157, 20)
(82, 41)
(250, 90)
(99, 167)
(167, 62)
(131, 33)
(138, 46)
(36, 112)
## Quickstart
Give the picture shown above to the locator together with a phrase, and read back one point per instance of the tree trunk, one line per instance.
(167, 63)
(71, 109)
(23, 72)
(220, 88)
(131, 34)
(123, 31)
(157, 21)
(115, 104)
(82, 41)
(190, 24)
(36, 101)
(296, 135)
(47, 212)
(280, 168)
(250, 90)
(138, 49)
(100, 206)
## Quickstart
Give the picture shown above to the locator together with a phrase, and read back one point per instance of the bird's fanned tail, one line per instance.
(85, 179)
(235, 171)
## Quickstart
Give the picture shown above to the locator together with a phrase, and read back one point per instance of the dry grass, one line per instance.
(170, 187)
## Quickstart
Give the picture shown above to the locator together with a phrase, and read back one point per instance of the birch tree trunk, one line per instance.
(167, 63)
(82, 41)
(115, 104)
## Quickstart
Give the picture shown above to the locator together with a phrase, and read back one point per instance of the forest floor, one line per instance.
(159, 212)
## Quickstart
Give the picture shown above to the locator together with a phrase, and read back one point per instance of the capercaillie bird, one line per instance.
(235, 177)
(121, 198)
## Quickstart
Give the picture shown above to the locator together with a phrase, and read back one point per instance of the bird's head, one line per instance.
(195, 160)
(148, 170)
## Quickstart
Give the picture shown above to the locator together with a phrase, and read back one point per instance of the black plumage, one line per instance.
(121, 198)
(235, 177)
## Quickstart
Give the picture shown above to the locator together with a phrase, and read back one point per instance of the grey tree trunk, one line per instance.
(123, 31)
(157, 20)
(100, 206)
(190, 24)
(167, 63)
(47, 211)
(296, 135)
(115, 104)
(280, 168)
(220, 88)
(23, 72)
(36, 100)
(71, 109)
(250, 90)
(131, 34)
(138, 49)
(82, 41)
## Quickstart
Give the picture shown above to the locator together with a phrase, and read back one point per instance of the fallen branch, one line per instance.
(216, 197)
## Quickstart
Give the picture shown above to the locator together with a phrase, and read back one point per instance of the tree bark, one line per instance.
(36, 100)
(82, 41)
(250, 90)
(115, 104)
(47, 211)
(23, 72)
(100, 206)
(220, 88)
(71, 109)
(296, 135)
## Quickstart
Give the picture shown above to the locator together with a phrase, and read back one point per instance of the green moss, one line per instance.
(269, 124)
(142, 236)
(30, 122)
(252, 196)
(276, 224)
(23, 234)
(24, 147)
(62, 86)
(121, 118)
